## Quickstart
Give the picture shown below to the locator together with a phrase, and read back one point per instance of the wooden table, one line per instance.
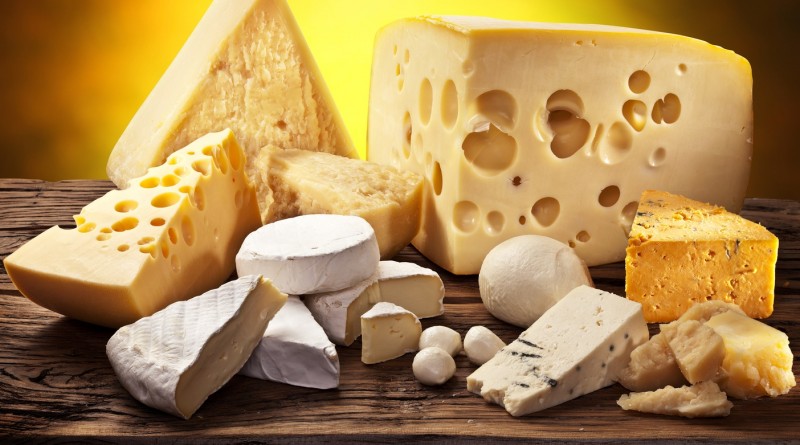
(56, 383)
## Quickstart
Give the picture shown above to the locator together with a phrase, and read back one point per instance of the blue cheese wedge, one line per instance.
(174, 359)
(578, 346)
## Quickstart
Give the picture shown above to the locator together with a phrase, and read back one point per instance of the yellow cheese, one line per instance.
(682, 252)
(701, 400)
(171, 235)
(553, 129)
(301, 182)
(697, 349)
(246, 66)
(652, 366)
(758, 360)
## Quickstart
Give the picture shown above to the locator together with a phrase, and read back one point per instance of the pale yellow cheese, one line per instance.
(171, 235)
(700, 400)
(388, 331)
(553, 129)
(652, 366)
(697, 349)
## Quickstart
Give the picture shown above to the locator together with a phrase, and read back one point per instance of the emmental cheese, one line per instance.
(171, 235)
(503, 117)
(246, 66)
(682, 252)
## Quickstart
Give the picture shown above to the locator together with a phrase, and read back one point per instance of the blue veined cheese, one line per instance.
(578, 346)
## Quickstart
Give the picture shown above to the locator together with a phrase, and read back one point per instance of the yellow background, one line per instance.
(73, 72)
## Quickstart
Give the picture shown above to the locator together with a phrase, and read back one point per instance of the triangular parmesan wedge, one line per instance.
(295, 350)
(174, 359)
(246, 66)
(682, 252)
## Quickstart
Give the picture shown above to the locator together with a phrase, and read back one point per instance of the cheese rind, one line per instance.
(339, 312)
(171, 235)
(578, 346)
(174, 359)
(501, 118)
(388, 331)
(682, 252)
(701, 400)
(416, 288)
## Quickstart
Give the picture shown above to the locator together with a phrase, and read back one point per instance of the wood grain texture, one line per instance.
(56, 384)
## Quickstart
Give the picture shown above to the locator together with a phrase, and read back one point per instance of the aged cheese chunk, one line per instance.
(388, 331)
(302, 182)
(174, 359)
(295, 350)
(578, 346)
(171, 235)
(682, 252)
(697, 349)
(339, 312)
(758, 361)
(652, 366)
(553, 129)
(703, 312)
(246, 66)
(700, 400)
(311, 253)
(416, 288)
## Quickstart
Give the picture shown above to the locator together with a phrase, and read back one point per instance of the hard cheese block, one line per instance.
(682, 252)
(301, 182)
(171, 235)
(174, 359)
(246, 66)
(416, 288)
(502, 118)
(294, 350)
(388, 331)
(578, 346)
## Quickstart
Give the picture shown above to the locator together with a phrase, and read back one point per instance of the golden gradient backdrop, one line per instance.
(73, 72)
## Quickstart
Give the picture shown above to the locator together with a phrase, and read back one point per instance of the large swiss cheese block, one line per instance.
(553, 129)
(171, 235)
(682, 252)
(578, 346)
(174, 359)
(246, 66)
(295, 350)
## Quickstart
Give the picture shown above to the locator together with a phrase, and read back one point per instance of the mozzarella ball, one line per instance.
(433, 366)
(523, 277)
(481, 344)
(441, 337)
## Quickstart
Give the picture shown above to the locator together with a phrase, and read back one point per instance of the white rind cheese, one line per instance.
(576, 347)
(295, 350)
(174, 359)
(311, 253)
(416, 288)
(389, 331)
(339, 312)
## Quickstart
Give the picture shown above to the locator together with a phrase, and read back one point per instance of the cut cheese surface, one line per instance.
(311, 254)
(339, 312)
(682, 252)
(501, 118)
(415, 288)
(295, 350)
(301, 182)
(697, 349)
(578, 346)
(701, 400)
(246, 66)
(171, 235)
(388, 331)
(174, 359)
(652, 366)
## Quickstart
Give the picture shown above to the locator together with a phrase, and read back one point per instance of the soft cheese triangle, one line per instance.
(295, 350)
(578, 346)
(416, 288)
(311, 254)
(339, 312)
(174, 359)
(388, 331)
(171, 235)
(246, 66)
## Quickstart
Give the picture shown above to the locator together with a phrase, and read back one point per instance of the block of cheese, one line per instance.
(388, 331)
(339, 312)
(700, 400)
(294, 350)
(301, 182)
(502, 118)
(171, 235)
(416, 288)
(311, 253)
(682, 252)
(698, 349)
(174, 359)
(758, 360)
(246, 66)
(577, 346)
(652, 366)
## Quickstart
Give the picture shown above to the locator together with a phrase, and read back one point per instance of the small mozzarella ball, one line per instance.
(433, 366)
(441, 337)
(481, 344)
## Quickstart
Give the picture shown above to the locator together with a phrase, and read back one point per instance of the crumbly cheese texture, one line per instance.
(295, 350)
(174, 359)
(416, 288)
(682, 252)
(246, 66)
(652, 366)
(388, 331)
(502, 117)
(171, 235)
(300, 182)
(701, 400)
(578, 346)
(698, 349)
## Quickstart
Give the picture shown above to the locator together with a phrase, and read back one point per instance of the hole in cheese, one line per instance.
(635, 112)
(436, 178)
(124, 224)
(657, 157)
(466, 215)
(126, 206)
(609, 196)
(145, 240)
(170, 180)
(86, 227)
(667, 110)
(165, 200)
(449, 107)
(498, 107)
(545, 211)
(187, 230)
(491, 151)
(407, 132)
(157, 222)
(639, 82)
(123, 247)
(617, 143)
(583, 236)
(236, 158)
(495, 221)
(149, 183)
(173, 235)
(425, 101)
(202, 166)
(570, 131)
(199, 198)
